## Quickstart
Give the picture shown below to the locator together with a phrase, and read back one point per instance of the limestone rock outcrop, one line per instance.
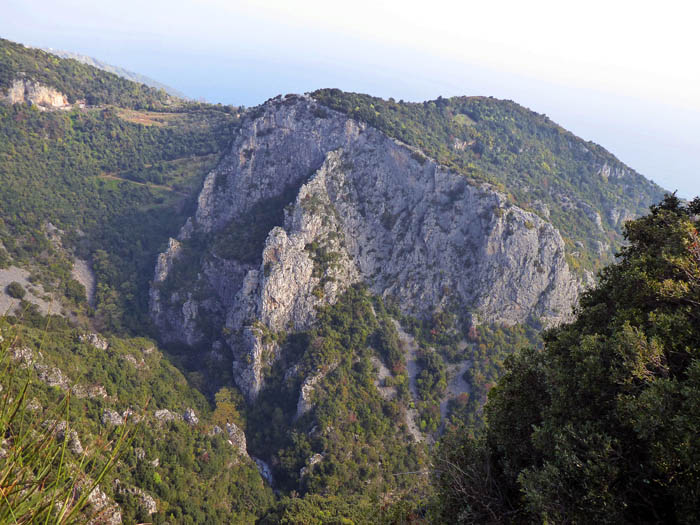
(190, 417)
(94, 340)
(304, 403)
(111, 417)
(26, 90)
(166, 416)
(236, 437)
(335, 202)
(146, 502)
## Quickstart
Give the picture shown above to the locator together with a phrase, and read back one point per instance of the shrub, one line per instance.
(16, 290)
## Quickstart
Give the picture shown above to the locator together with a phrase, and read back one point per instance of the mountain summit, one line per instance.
(310, 201)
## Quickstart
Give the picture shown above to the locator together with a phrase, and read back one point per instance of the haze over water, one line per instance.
(623, 75)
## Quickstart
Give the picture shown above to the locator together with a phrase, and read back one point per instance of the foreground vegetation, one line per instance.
(193, 474)
(602, 425)
(41, 480)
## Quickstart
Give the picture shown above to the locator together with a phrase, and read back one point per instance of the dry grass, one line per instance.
(147, 118)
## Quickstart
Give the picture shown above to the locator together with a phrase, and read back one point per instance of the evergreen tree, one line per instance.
(602, 425)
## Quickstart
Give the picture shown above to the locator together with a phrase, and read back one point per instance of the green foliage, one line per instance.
(227, 401)
(387, 343)
(74, 79)
(602, 424)
(41, 478)
(16, 290)
(431, 383)
(315, 509)
(519, 152)
(75, 291)
(361, 436)
(492, 344)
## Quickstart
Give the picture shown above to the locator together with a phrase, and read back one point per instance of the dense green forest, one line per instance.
(116, 181)
(540, 165)
(601, 426)
(75, 80)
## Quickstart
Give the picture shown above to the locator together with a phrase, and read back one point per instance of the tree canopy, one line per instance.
(601, 426)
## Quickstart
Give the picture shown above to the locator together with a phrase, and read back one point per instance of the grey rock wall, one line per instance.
(361, 207)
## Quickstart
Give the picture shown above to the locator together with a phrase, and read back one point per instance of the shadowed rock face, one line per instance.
(358, 207)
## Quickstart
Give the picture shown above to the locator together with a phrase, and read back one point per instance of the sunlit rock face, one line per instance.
(352, 206)
(24, 90)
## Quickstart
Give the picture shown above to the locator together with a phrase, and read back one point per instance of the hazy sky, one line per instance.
(623, 74)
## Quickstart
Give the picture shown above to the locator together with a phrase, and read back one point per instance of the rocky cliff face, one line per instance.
(26, 90)
(308, 202)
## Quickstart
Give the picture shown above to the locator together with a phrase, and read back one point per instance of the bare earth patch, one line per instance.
(146, 118)
(456, 385)
(410, 349)
(8, 304)
(82, 272)
(387, 392)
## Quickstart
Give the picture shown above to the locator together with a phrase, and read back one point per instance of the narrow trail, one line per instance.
(110, 176)
(455, 387)
(82, 272)
(410, 348)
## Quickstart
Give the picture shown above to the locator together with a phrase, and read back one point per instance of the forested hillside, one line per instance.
(115, 181)
(76, 80)
(118, 400)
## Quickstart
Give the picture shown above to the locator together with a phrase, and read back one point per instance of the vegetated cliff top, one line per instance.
(582, 188)
(76, 80)
(120, 71)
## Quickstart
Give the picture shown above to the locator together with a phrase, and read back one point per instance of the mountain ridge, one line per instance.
(585, 190)
(120, 71)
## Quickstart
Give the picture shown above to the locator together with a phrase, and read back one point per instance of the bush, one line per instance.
(16, 290)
